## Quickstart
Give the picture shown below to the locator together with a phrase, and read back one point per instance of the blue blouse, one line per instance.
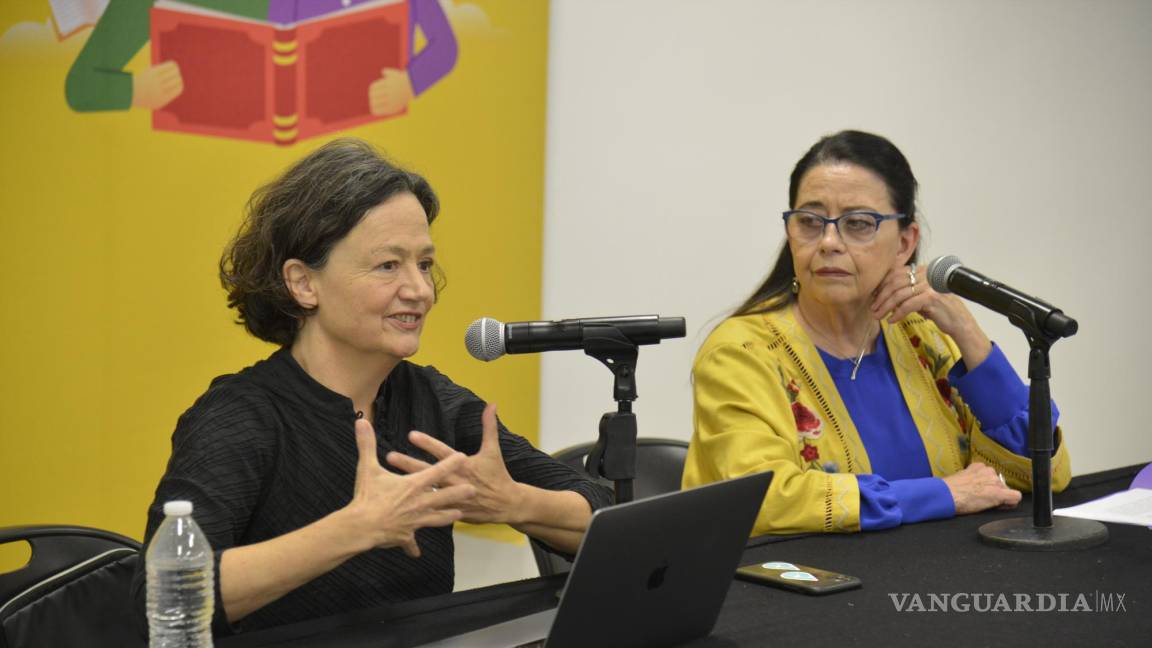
(901, 488)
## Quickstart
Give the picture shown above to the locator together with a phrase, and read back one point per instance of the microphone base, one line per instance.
(1065, 534)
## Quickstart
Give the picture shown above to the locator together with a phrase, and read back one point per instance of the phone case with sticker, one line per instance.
(798, 578)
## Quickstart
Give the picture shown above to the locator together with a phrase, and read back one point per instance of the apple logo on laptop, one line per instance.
(656, 578)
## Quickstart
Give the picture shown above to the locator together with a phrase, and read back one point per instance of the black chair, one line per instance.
(74, 591)
(659, 466)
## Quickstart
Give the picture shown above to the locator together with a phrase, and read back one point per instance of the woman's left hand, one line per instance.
(905, 290)
(497, 496)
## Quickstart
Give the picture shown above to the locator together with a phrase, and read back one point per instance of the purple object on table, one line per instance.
(1143, 478)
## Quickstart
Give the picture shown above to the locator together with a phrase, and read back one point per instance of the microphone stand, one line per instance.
(1042, 532)
(613, 456)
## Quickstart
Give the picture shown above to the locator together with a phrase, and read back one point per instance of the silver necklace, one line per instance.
(863, 344)
(860, 356)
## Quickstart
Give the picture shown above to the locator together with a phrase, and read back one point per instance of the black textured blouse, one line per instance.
(269, 450)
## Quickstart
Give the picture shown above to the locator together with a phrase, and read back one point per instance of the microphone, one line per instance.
(488, 339)
(947, 274)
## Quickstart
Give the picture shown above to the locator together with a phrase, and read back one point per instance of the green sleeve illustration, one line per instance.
(97, 80)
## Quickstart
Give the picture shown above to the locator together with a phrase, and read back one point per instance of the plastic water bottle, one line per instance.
(180, 593)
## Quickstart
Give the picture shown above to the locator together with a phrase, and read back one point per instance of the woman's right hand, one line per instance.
(390, 507)
(898, 295)
(385, 511)
(978, 488)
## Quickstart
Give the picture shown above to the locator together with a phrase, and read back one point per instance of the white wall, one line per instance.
(673, 126)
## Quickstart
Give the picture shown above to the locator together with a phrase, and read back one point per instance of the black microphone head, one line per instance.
(939, 269)
(485, 339)
(671, 327)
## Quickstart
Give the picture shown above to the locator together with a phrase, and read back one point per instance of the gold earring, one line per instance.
(795, 286)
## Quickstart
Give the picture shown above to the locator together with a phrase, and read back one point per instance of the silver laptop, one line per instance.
(648, 573)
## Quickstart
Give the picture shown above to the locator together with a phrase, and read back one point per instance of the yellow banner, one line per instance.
(119, 192)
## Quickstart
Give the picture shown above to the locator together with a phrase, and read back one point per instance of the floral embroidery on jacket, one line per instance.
(937, 364)
(808, 425)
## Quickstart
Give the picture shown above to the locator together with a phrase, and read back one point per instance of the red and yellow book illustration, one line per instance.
(256, 80)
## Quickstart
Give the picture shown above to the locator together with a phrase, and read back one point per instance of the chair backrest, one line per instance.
(74, 591)
(659, 467)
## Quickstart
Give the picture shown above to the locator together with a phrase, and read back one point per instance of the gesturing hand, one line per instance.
(497, 498)
(977, 488)
(392, 507)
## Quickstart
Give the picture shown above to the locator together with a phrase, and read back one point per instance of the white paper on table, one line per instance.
(1127, 507)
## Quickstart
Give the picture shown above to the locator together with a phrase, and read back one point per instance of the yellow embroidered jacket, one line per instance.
(764, 400)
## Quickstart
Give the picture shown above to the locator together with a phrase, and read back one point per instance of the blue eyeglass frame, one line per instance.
(835, 222)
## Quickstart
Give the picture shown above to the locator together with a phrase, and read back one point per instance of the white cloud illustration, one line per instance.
(29, 35)
(467, 18)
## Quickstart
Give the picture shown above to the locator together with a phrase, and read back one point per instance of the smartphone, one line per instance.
(798, 578)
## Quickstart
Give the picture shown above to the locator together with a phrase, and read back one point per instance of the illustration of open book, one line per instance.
(256, 80)
(70, 16)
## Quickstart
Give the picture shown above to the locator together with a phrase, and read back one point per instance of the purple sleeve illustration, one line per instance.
(439, 54)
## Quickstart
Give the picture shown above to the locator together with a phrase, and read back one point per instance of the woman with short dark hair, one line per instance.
(284, 460)
(876, 400)
(302, 215)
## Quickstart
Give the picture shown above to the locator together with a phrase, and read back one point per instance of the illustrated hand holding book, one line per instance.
(256, 80)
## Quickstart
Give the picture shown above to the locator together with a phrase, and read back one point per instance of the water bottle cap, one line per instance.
(178, 508)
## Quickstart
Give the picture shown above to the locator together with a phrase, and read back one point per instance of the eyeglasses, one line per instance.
(854, 228)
